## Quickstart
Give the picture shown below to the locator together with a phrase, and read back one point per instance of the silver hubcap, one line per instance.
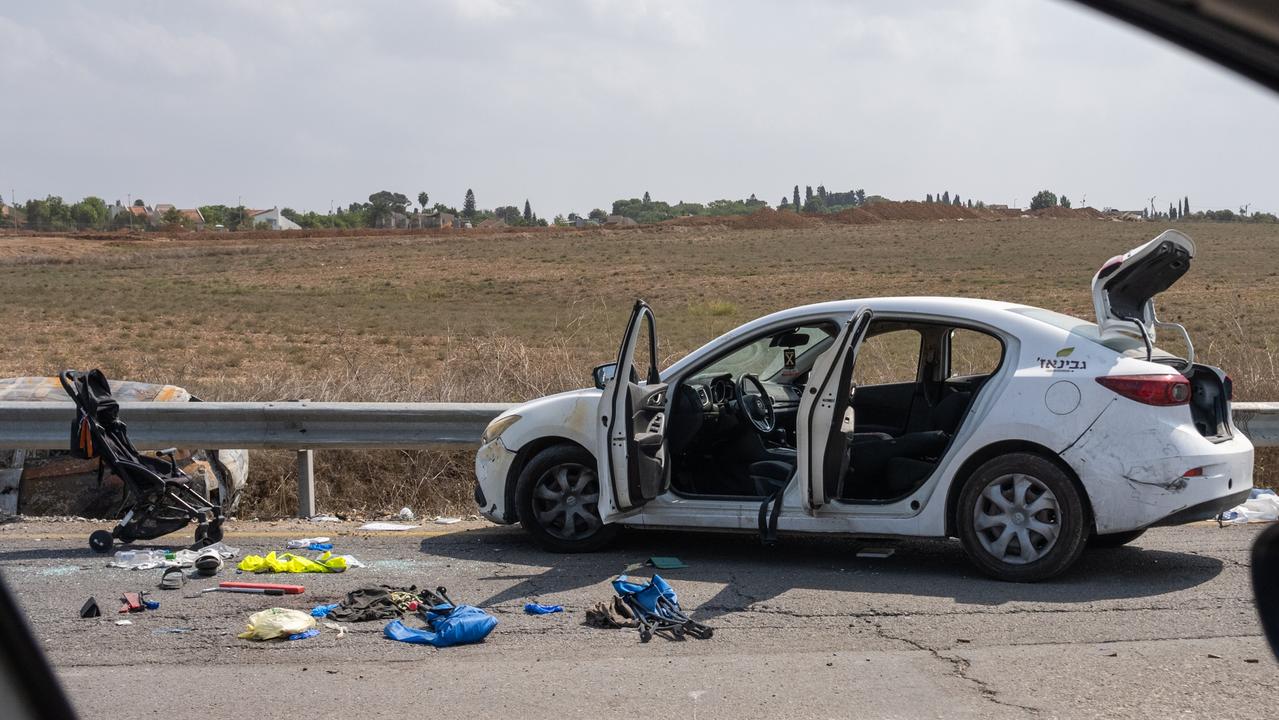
(1017, 519)
(565, 500)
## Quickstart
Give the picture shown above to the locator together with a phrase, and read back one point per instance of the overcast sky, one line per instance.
(574, 104)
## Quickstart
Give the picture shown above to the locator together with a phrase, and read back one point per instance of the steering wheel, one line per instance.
(757, 406)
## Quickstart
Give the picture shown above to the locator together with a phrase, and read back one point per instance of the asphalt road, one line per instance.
(1163, 628)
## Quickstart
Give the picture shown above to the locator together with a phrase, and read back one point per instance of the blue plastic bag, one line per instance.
(446, 625)
(320, 611)
(536, 609)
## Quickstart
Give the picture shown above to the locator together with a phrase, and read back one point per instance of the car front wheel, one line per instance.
(557, 496)
(1021, 519)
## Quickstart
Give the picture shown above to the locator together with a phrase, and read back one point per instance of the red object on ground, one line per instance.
(286, 589)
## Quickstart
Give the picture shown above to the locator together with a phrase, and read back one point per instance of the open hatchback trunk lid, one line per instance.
(1123, 290)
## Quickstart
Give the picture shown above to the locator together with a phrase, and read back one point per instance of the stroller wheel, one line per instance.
(212, 533)
(101, 541)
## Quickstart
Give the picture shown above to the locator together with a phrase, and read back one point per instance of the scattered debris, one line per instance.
(172, 579)
(1262, 505)
(286, 589)
(875, 552)
(276, 622)
(406, 514)
(325, 518)
(539, 609)
(387, 526)
(290, 563)
(441, 520)
(306, 542)
(341, 632)
(304, 634)
(447, 625)
(320, 611)
(172, 631)
(611, 614)
(209, 562)
(666, 562)
(1214, 656)
(123, 622)
(90, 608)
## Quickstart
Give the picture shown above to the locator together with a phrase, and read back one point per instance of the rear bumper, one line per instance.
(1206, 510)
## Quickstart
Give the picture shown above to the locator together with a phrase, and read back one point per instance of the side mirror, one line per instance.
(1265, 583)
(603, 373)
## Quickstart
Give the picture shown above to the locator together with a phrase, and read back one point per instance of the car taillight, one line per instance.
(1171, 389)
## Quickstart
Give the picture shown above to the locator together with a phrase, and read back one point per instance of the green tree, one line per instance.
(468, 204)
(647, 199)
(945, 198)
(1043, 199)
(956, 200)
(928, 198)
(821, 192)
(1065, 201)
(90, 212)
(784, 204)
(597, 215)
(528, 210)
(172, 216)
(423, 199)
(139, 203)
(1186, 200)
(795, 198)
(808, 194)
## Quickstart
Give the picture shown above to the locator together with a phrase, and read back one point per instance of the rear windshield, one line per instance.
(1122, 344)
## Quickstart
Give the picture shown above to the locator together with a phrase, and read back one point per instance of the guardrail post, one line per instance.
(306, 483)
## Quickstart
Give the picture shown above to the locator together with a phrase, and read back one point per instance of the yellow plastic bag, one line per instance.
(276, 622)
(290, 563)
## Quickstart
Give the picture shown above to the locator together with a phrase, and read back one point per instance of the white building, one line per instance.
(273, 219)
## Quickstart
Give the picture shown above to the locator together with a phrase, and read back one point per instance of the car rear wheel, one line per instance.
(1114, 540)
(1021, 519)
(557, 496)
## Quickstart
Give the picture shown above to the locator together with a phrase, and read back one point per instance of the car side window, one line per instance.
(973, 353)
(888, 357)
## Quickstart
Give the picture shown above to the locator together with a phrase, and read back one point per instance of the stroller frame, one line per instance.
(158, 498)
(656, 608)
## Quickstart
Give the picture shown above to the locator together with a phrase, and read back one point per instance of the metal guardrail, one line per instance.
(306, 426)
(260, 425)
(302, 426)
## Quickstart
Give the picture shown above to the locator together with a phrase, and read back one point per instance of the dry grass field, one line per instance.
(510, 315)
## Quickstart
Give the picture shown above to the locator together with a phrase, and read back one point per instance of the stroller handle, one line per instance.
(67, 377)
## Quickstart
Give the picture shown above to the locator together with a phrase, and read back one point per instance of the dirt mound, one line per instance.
(1064, 213)
(768, 219)
(910, 210)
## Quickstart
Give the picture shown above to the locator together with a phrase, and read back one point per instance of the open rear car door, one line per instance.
(1123, 290)
(826, 414)
(631, 435)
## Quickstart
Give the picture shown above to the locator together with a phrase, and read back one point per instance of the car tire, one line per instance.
(1114, 540)
(556, 496)
(1021, 518)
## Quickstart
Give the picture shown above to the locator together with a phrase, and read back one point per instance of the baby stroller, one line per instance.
(656, 609)
(158, 498)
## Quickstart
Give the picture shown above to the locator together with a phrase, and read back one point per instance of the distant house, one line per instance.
(193, 217)
(272, 218)
(585, 222)
(437, 219)
(620, 220)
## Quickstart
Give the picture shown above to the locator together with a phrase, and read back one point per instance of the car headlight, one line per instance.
(497, 427)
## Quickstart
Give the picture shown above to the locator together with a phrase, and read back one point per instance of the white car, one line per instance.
(1025, 433)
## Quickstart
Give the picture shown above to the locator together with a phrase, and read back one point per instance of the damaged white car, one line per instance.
(1025, 433)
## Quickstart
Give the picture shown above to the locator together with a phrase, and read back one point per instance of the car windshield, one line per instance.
(1122, 344)
(779, 357)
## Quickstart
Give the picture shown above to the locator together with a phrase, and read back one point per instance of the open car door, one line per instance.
(1123, 290)
(631, 439)
(825, 421)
